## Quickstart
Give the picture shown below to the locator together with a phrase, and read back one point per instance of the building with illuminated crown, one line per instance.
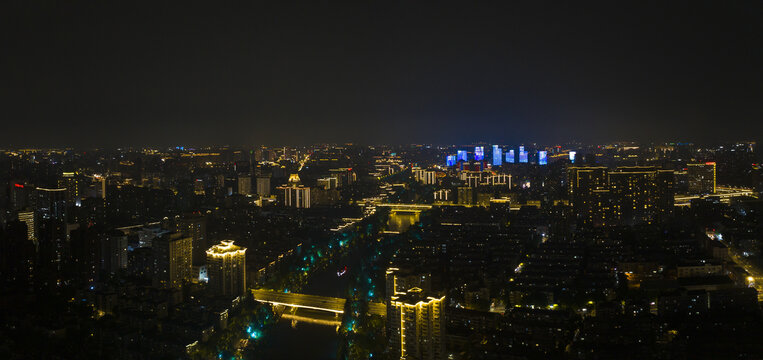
(226, 268)
(416, 325)
(294, 194)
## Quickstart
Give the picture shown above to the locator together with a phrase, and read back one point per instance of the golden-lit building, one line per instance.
(297, 196)
(28, 218)
(701, 178)
(226, 268)
(416, 325)
(71, 181)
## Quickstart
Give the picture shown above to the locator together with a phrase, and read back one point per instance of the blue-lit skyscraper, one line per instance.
(572, 156)
(497, 156)
(461, 155)
(451, 160)
(522, 154)
(479, 153)
(510, 156)
(542, 158)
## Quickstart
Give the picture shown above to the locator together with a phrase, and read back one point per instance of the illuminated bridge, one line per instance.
(313, 302)
(407, 207)
(723, 193)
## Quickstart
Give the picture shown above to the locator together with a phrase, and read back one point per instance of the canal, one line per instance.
(291, 339)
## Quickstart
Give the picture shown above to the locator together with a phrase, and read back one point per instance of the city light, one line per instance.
(479, 153)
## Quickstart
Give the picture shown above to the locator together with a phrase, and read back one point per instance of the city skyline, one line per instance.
(398, 180)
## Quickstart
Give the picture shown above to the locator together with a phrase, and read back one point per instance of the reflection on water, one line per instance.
(400, 221)
(300, 340)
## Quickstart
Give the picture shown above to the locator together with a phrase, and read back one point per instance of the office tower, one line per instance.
(28, 218)
(72, 183)
(510, 156)
(572, 156)
(640, 195)
(263, 185)
(451, 160)
(50, 218)
(226, 268)
(542, 158)
(479, 153)
(172, 254)
(461, 155)
(297, 196)
(589, 192)
(194, 226)
(244, 184)
(416, 325)
(522, 155)
(497, 156)
(701, 178)
(113, 252)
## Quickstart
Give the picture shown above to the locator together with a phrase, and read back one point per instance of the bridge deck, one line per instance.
(315, 302)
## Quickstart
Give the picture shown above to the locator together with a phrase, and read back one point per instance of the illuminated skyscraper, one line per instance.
(451, 160)
(462, 155)
(522, 155)
(71, 181)
(226, 268)
(28, 218)
(416, 325)
(701, 178)
(294, 194)
(479, 153)
(572, 156)
(297, 196)
(172, 260)
(542, 158)
(497, 156)
(510, 156)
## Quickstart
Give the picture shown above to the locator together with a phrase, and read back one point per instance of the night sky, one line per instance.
(141, 73)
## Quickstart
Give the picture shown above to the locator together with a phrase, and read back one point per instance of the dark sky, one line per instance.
(137, 73)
